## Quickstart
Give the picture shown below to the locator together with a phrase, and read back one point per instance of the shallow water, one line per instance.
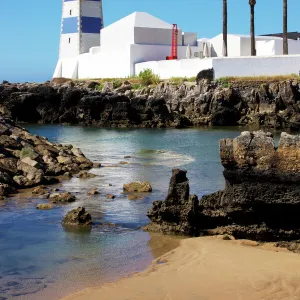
(41, 260)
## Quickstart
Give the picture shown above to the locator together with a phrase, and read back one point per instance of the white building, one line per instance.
(140, 41)
(136, 38)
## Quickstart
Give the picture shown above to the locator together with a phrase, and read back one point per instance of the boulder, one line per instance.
(93, 192)
(28, 152)
(110, 196)
(9, 165)
(64, 160)
(179, 212)
(39, 190)
(9, 142)
(33, 175)
(46, 206)
(62, 197)
(137, 186)
(77, 217)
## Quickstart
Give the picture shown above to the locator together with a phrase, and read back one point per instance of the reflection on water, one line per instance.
(42, 260)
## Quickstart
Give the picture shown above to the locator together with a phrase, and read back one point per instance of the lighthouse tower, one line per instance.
(81, 23)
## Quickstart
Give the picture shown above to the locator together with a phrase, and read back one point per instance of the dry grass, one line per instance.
(260, 78)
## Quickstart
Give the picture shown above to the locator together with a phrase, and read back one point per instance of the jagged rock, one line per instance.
(65, 160)
(137, 186)
(9, 165)
(77, 217)
(28, 152)
(178, 214)
(62, 197)
(208, 102)
(110, 196)
(9, 142)
(261, 200)
(45, 206)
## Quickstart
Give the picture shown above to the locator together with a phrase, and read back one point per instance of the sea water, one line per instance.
(39, 259)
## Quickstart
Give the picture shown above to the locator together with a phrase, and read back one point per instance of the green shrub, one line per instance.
(117, 83)
(148, 77)
(100, 86)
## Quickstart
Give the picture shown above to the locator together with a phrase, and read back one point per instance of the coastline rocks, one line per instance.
(178, 213)
(137, 186)
(62, 197)
(29, 160)
(203, 102)
(261, 199)
(86, 175)
(78, 218)
(110, 196)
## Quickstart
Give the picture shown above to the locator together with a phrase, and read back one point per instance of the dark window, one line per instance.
(69, 40)
(70, 12)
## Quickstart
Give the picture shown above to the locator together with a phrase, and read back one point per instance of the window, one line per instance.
(69, 40)
(70, 12)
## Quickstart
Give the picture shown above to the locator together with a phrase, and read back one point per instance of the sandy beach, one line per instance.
(209, 268)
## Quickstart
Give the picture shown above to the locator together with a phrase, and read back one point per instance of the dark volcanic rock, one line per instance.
(204, 102)
(78, 218)
(261, 200)
(178, 214)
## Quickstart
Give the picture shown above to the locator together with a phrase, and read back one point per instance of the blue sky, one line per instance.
(29, 29)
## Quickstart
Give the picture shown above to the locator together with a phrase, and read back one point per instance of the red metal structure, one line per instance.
(174, 43)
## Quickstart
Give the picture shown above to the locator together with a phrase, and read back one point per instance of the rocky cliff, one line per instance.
(261, 200)
(274, 105)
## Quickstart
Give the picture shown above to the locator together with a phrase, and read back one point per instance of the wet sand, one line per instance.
(209, 269)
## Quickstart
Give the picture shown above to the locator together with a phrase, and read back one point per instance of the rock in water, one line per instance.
(62, 197)
(77, 217)
(179, 213)
(138, 186)
(44, 206)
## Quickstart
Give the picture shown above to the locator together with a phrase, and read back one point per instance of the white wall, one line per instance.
(107, 64)
(175, 68)
(189, 38)
(233, 45)
(70, 5)
(69, 48)
(155, 36)
(256, 66)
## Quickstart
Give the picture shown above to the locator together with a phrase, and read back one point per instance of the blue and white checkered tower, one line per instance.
(81, 23)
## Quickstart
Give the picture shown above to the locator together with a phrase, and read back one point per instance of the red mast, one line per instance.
(174, 43)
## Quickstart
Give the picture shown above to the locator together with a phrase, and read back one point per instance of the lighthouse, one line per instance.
(81, 23)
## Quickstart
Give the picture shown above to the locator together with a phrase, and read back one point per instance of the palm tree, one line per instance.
(252, 30)
(225, 51)
(285, 20)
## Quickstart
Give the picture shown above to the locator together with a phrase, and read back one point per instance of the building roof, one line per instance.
(291, 35)
(142, 19)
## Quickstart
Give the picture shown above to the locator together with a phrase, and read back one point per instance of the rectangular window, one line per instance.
(70, 12)
(69, 40)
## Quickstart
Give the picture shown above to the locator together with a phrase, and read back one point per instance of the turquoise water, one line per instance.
(40, 260)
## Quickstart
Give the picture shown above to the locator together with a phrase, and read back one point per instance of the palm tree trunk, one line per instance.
(225, 50)
(252, 27)
(285, 25)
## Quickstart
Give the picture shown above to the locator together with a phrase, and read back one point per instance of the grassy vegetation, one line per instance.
(148, 77)
(181, 80)
(259, 78)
